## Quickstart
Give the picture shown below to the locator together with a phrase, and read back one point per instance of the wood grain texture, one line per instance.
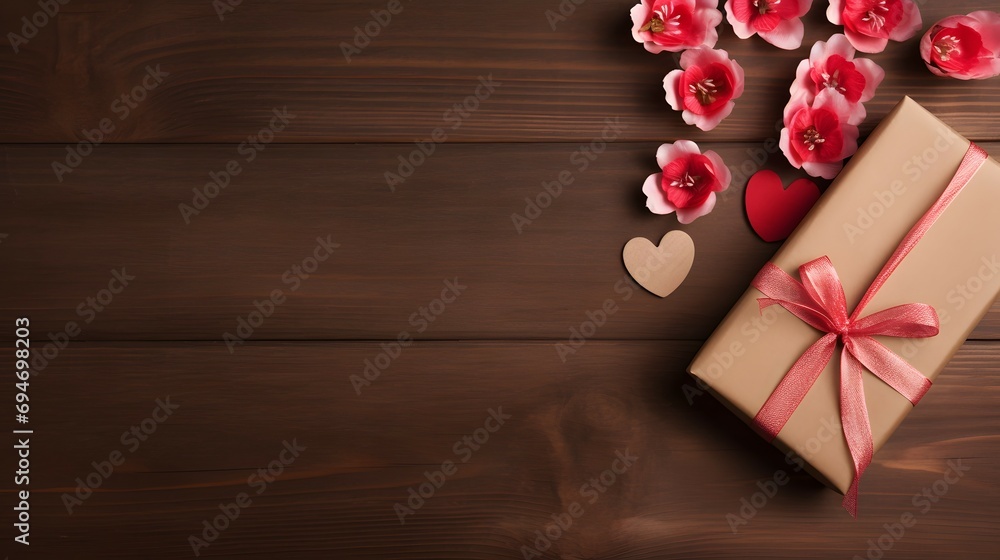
(497, 346)
(451, 219)
(558, 85)
(695, 460)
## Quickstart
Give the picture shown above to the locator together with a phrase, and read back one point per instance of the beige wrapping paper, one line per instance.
(898, 173)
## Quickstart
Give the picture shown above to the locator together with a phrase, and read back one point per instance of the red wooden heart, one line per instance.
(774, 211)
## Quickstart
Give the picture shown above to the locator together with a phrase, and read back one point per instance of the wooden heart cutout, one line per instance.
(660, 269)
(775, 211)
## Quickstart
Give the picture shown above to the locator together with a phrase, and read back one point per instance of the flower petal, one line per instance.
(787, 35)
(722, 172)
(856, 114)
(803, 83)
(873, 73)
(710, 121)
(669, 152)
(688, 215)
(712, 19)
(639, 13)
(834, 11)
(824, 170)
(851, 134)
(742, 29)
(784, 142)
(655, 200)
(670, 84)
(828, 99)
(989, 28)
(703, 56)
(836, 44)
(910, 24)
(739, 77)
(867, 44)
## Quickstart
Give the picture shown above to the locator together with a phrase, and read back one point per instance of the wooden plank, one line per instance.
(451, 219)
(696, 461)
(225, 77)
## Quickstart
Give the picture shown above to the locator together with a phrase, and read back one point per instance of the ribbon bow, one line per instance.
(819, 301)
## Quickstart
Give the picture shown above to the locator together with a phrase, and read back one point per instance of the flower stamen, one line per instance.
(833, 81)
(945, 46)
(764, 7)
(687, 181)
(874, 18)
(661, 20)
(704, 90)
(812, 138)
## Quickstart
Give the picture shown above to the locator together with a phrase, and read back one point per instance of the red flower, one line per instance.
(675, 25)
(831, 66)
(776, 21)
(964, 47)
(870, 24)
(688, 181)
(705, 87)
(819, 138)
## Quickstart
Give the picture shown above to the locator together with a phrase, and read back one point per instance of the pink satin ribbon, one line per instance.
(819, 301)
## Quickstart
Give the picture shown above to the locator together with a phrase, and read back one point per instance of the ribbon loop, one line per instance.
(787, 292)
(912, 320)
(821, 282)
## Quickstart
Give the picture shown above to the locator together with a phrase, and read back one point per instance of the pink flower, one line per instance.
(818, 138)
(688, 182)
(964, 47)
(676, 25)
(705, 87)
(776, 21)
(870, 24)
(832, 67)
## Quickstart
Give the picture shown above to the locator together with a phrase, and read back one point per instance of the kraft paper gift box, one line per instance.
(896, 176)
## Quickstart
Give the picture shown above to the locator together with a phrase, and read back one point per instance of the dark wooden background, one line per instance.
(493, 347)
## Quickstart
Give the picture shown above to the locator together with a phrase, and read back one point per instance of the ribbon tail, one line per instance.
(857, 428)
(890, 368)
(785, 399)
